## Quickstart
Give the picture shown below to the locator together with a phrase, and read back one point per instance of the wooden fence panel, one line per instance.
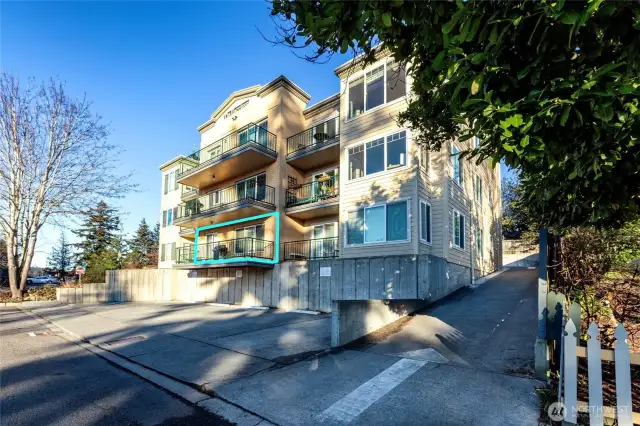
(623, 377)
(595, 375)
(570, 373)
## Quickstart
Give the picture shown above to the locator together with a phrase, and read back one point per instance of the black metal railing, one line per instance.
(246, 192)
(236, 248)
(321, 248)
(315, 137)
(313, 191)
(184, 255)
(249, 135)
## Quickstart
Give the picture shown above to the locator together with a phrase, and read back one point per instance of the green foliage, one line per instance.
(98, 231)
(61, 257)
(101, 244)
(551, 88)
(143, 247)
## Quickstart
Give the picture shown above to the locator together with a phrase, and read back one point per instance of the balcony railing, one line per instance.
(321, 248)
(315, 137)
(188, 192)
(236, 248)
(184, 254)
(244, 193)
(313, 191)
(249, 135)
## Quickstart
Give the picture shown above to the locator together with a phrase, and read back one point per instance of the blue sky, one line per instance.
(154, 71)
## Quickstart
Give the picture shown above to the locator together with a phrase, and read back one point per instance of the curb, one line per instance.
(486, 278)
(217, 406)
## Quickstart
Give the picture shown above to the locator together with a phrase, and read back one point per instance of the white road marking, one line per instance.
(355, 403)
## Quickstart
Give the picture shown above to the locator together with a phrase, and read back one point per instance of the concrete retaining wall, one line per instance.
(311, 285)
(88, 293)
(353, 319)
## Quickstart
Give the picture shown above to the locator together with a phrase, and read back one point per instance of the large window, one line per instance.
(249, 240)
(378, 155)
(384, 83)
(356, 162)
(375, 156)
(396, 81)
(458, 226)
(376, 224)
(457, 165)
(375, 87)
(170, 182)
(425, 221)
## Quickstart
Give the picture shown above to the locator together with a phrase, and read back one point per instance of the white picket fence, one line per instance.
(594, 354)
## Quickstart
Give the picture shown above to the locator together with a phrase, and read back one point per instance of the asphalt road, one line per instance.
(47, 380)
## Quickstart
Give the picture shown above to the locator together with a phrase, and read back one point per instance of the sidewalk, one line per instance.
(467, 360)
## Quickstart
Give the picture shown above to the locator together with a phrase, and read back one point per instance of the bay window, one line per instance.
(378, 155)
(458, 230)
(396, 81)
(379, 85)
(375, 87)
(379, 223)
(375, 156)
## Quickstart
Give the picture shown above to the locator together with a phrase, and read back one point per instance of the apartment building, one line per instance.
(277, 180)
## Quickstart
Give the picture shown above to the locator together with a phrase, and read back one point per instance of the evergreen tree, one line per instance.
(101, 245)
(153, 255)
(142, 246)
(60, 259)
(97, 232)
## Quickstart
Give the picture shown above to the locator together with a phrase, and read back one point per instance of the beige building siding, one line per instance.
(284, 105)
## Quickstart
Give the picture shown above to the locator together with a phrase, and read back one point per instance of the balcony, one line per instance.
(322, 248)
(226, 204)
(315, 147)
(189, 193)
(314, 199)
(189, 233)
(240, 152)
(239, 250)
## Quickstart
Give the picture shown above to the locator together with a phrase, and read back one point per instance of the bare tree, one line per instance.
(55, 161)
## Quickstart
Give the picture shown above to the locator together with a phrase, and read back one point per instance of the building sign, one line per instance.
(325, 271)
(235, 110)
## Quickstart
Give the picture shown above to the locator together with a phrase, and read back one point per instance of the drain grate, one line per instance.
(125, 340)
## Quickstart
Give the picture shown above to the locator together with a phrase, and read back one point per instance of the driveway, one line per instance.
(468, 359)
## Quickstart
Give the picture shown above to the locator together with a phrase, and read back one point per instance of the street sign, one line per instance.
(79, 270)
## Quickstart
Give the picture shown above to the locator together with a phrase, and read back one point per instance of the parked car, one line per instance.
(45, 279)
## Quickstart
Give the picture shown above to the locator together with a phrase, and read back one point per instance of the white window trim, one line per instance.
(334, 223)
(362, 74)
(426, 166)
(462, 231)
(382, 172)
(430, 227)
(453, 173)
(378, 243)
